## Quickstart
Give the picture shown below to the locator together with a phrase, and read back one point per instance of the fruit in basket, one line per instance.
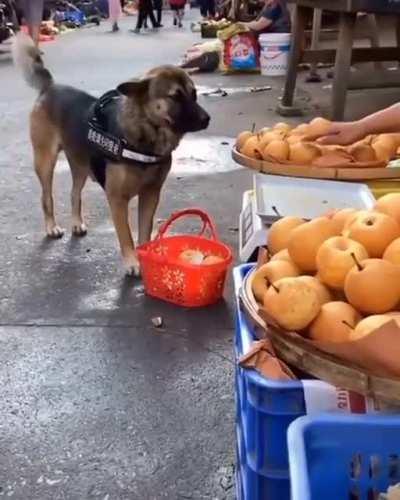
(263, 131)
(301, 129)
(269, 273)
(270, 136)
(276, 149)
(370, 324)
(389, 205)
(334, 323)
(280, 231)
(374, 230)
(294, 138)
(242, 138)
(373, 286)
(387, 141)
(251, 148)
(292, 303)
(212, 259)
(303, 153)
(384, 148)
(285, 127)
(323, 292)
(318, 127)
(362, 152)
(282, 255)
(192, 256)
(340, 217)
(335, 258)
(305, 240)
(392, 252)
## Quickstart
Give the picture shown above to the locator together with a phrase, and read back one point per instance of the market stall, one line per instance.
(344, 55)
(317, 328)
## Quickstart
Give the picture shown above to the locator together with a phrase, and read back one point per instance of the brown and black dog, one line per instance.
(151, 114)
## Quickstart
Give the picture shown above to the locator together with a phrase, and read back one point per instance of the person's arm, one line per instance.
(385, 121)
(259, 25)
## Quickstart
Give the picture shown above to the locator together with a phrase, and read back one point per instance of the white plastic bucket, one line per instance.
(274, 53)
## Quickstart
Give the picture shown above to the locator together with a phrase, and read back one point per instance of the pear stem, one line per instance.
(274, 209)
(359, 266)
(275, 288)
(348, 324)
(253, 127)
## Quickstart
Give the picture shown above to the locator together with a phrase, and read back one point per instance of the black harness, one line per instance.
(107, 142)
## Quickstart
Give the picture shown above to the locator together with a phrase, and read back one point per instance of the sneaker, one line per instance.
(115, 28)
(175, 21)
(136, 30)
(180, 25)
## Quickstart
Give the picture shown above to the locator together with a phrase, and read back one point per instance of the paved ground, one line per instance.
(95, 403)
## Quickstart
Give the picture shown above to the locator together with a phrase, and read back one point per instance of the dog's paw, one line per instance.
(132, 267)
(55, 232)
(79, 229)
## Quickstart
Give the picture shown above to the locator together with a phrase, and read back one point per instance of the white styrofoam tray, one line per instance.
(306, 198)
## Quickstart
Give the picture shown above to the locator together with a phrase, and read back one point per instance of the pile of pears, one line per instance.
(282, 143)
(335, 278)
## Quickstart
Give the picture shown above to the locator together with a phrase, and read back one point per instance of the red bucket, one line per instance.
(167, 277)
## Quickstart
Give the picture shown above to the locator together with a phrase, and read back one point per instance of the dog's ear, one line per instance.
(135, 88)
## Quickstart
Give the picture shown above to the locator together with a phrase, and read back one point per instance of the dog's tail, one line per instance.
(28, 58)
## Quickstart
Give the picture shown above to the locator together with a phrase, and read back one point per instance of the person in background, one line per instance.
(273, 18)
(158, 4)
(145, 10)
(33, 15)
(114, 12)
(344, 133)
(178, 8)
(207, 9)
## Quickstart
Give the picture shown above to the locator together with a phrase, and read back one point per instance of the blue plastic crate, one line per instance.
(346, 458)
(264, 410)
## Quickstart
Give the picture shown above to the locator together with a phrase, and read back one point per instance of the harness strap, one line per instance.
(111, 146)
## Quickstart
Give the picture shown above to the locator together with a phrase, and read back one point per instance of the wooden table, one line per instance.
(344, 55)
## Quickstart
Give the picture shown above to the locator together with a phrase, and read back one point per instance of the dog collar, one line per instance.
(110, 145)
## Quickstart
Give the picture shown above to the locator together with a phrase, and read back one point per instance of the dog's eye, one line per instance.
(176, 96)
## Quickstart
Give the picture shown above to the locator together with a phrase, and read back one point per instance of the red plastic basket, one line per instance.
(167, 277)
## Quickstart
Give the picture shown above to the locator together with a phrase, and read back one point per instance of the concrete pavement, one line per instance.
(95, 403)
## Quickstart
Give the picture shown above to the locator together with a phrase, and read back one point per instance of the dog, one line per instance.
(150, 115)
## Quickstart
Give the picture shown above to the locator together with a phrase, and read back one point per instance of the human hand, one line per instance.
(343, 133)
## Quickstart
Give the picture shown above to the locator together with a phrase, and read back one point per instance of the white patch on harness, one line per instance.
(132, 155)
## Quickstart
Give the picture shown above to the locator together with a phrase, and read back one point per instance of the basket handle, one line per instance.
(207, 222)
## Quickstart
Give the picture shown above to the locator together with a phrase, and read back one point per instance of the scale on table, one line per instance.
(276, 196)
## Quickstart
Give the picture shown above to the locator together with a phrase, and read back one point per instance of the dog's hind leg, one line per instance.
(80, 173)
(45, 149)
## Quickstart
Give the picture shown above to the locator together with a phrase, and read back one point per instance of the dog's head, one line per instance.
(168, 97)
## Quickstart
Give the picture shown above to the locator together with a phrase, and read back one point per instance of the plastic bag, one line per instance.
(241, 53)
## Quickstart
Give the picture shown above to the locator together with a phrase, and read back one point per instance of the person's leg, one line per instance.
(158, 9)
(141, 18)
(114, 10)
(33, 14)
(150, 13)
(211, 8)
(203, 8)
(180, 15)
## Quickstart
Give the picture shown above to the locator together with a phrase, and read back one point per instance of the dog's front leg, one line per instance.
(120, 215)
(148, 202)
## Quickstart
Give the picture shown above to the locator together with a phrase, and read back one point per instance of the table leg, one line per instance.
(398, 33)
(316, 31)
(342, 64)
(298, 34)
(374, 36)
